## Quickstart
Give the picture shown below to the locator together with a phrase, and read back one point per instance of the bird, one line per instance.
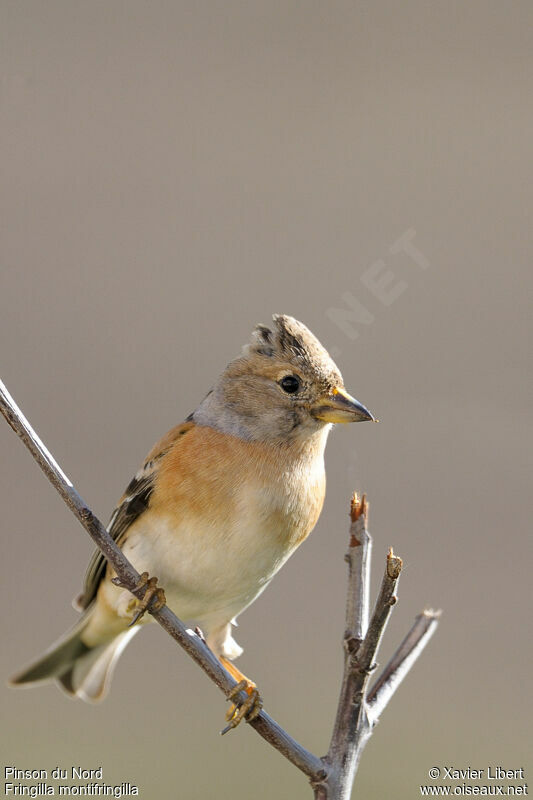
(218, 506)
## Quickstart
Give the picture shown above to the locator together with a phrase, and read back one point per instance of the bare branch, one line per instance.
(358, 558)
(367, 653)
(350, 722)
(310, 764)
(358, 709)
(403, 659)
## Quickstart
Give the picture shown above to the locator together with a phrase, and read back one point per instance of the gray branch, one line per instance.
(403, 659)
(358, 709)
(358, 558)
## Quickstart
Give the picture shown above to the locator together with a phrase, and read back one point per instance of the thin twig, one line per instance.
(401, 662)
(310, 764)
(358, 559)
(366, 655)
(351, 729)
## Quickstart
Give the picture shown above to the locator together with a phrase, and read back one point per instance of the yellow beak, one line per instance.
(339, 406)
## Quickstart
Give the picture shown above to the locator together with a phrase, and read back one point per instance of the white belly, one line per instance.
(212, 563)
(209, 573)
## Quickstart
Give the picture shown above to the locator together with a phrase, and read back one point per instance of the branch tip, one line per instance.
(394, 564)
(431, 613)
(358, 507)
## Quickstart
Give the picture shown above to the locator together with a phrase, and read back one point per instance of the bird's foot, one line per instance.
(248, 709)
(153, 598)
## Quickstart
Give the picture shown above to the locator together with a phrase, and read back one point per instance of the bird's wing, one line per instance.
(133, 503)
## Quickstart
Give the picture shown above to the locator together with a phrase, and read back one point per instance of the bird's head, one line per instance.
(284, 385)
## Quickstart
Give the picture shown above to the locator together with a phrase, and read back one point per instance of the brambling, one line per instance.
(218, 506)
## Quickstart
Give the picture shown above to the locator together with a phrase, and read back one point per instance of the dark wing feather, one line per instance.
(133, 503)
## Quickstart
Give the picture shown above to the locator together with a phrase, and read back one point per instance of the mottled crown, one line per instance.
(291, 341)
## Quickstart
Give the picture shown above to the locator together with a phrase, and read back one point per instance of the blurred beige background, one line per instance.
(174, 173)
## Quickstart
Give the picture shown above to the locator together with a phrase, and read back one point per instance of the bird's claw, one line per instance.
(249, 709)
(153, 598)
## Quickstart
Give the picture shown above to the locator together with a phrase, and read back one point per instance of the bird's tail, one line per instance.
(79, 670)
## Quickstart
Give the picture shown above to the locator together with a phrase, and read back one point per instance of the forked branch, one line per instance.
(358, 710)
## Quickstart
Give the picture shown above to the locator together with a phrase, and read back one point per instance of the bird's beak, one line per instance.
(339, 406)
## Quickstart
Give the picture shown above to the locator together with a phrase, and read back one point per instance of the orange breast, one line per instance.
(207, 474)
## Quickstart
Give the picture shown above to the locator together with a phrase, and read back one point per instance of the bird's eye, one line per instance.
(290, 384)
